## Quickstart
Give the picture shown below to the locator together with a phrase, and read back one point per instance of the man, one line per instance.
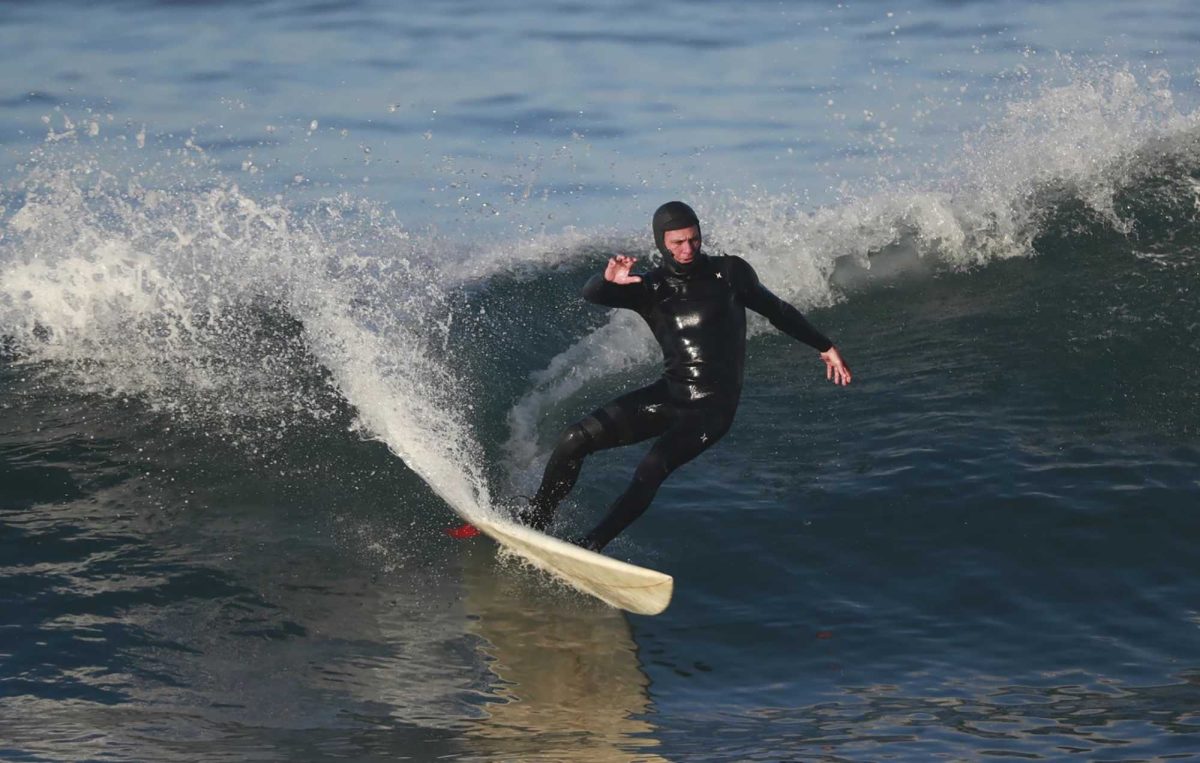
(696, 307)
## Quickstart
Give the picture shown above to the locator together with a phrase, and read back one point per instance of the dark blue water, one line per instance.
(279, 282)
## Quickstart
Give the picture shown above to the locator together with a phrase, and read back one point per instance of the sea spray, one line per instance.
(206, 302)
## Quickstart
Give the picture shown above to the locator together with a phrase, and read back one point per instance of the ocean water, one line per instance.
(280, 283)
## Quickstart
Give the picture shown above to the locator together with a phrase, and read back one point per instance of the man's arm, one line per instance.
(616, 287)
(787, 319)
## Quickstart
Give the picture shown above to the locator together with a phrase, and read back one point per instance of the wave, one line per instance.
(129, 274)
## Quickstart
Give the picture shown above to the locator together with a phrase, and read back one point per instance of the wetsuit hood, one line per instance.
(675, 215)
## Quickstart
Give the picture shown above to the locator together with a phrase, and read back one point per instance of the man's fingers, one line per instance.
(612, 270)
(617, 270)
(835, 368)
(837, 373)
(618, 267)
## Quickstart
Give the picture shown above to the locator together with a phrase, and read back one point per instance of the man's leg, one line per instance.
(693, 432)
(633, 417)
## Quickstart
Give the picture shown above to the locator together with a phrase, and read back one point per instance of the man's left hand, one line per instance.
(835, 368)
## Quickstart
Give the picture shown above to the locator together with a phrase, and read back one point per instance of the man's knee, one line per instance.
(652, 470)
(574, 442)
(669, 455)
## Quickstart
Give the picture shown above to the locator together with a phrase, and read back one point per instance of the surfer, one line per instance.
(696, 306)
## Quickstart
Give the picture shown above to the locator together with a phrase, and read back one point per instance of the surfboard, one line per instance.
(619, 584)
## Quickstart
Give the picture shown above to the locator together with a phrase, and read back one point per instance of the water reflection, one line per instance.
(1085, 722)
(569, 682)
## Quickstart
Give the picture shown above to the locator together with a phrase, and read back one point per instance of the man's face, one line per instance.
(683, 244)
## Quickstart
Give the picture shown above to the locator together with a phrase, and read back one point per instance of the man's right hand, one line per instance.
(618, 268)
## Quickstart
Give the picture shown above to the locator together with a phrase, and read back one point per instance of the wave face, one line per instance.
(235, 418)
(176, 285)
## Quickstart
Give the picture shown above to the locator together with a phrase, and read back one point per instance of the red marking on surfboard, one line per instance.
(465, 531)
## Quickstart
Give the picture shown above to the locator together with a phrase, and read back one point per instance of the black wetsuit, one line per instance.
(698, 315)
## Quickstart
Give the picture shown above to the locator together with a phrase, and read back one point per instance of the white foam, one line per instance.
(165, 294)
